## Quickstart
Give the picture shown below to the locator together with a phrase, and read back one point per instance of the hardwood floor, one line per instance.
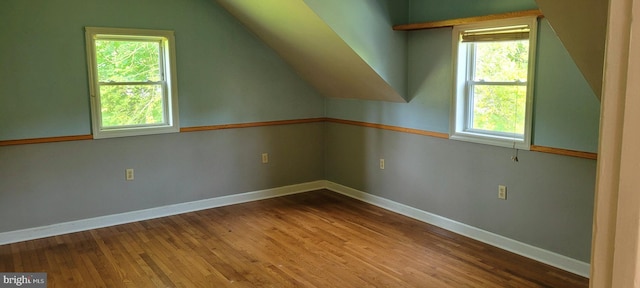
(314, 239)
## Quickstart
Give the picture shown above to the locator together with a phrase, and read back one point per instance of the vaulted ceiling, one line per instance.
(357, 55)
(581, 25)
(318, 53)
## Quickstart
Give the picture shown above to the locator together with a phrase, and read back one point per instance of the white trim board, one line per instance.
(157, 212)
(544, 256)
(526, 250)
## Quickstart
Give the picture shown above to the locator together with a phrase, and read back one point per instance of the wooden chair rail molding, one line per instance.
(543, 149)
(391, 128)
(460, 21)
(45, 140)
(566, 152)
(251, 124)
(536, 148)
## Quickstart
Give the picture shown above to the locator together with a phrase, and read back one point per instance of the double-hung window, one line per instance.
(132, 78)
(493, 94)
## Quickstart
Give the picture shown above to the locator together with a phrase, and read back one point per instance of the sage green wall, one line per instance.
(566, 110)
(366, 27)
(45, 90)
(566, 113)
(433, 10)
(225, 74)
(429, 87)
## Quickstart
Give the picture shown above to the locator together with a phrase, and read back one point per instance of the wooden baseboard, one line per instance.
(523, 249)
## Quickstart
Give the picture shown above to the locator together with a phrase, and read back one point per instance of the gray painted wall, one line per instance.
(44, 184)
(550, 198)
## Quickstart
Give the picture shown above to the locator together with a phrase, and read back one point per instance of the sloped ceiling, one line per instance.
(581, 26)
(300, 31)
(312, 48)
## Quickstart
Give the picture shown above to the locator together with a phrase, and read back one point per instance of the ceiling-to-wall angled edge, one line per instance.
(581, 26)
(312, 48)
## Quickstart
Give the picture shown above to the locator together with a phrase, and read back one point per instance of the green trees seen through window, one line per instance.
(499, 86)
(131, 82)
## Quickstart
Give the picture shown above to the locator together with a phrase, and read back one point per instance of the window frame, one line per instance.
(461, 108)
(167, 59)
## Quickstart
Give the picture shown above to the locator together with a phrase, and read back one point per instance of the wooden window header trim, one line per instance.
(467, 20)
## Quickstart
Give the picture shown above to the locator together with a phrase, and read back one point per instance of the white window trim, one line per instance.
(458, 105)
(167, 39)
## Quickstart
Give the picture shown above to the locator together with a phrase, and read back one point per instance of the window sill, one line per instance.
(135, 132)
(491, 140)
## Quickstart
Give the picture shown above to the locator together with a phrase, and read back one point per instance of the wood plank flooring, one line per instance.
(314, 239)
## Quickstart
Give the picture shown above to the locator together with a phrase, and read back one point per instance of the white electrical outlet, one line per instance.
(129, 174)
(502, 192)
(381, 163)
(265, 158)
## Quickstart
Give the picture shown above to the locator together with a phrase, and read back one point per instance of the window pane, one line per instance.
(131, 105)
(128, 61)
(504, 61)
(499, 108)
